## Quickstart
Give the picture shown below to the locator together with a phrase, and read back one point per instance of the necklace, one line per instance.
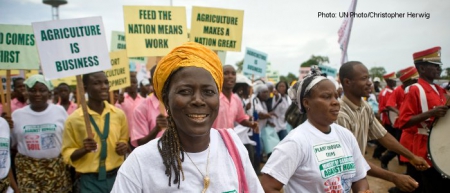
(205, 177)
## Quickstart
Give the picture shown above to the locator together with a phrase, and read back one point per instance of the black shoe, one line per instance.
(393, 190)
(384, 166)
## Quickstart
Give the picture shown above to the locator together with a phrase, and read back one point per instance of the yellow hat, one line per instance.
(187, 55)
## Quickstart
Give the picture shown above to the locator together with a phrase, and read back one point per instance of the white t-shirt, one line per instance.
(280, 111)
(308, 160)
(144, 172)
(5, 159)
(39, 134)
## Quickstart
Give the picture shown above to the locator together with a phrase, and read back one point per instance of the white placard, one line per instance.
(72, 47)
(255, 63)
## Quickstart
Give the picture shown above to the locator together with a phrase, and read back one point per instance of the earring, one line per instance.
(307, 109)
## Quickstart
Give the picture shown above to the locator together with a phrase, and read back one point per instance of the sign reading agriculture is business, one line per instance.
(18, 47)
(255, 63)
(152, 30)
(218, 29)
(72, 47)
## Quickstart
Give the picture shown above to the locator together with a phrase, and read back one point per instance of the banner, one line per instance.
(218, 29)
(72, 47)
(255, 63)
(119, 75)
(152, 30)
(118, 43)
(17, 47)
(344, 33)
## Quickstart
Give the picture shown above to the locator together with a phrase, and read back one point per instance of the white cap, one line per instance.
(145, 82)
(376, 79)
(240, 78)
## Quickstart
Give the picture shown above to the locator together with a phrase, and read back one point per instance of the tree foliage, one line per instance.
(377, 72)
(289, 78)
(240, 66)
(315, 60)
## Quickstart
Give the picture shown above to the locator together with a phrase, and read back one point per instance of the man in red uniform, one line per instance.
(414, 117)
(383, 97)
(408, 77)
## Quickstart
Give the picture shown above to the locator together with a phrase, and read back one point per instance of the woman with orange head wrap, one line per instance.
(188, 82)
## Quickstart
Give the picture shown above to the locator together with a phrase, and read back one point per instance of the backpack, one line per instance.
(293, 116)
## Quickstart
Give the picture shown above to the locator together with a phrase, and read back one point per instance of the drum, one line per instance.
(439, 145)
(392, 117)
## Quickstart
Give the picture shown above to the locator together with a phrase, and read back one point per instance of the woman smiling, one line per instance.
(190, 155)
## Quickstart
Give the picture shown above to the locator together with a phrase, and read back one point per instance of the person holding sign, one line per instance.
(64, 94)
(190, 155)
(37, 135)
(97, 159)
(319, 155)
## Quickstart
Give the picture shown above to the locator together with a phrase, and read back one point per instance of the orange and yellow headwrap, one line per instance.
(187, 55)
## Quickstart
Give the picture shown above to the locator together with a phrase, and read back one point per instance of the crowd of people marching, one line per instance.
(198, 126)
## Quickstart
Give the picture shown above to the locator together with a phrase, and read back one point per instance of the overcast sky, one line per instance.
(288, 31)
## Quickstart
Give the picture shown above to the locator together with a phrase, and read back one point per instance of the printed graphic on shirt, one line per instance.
(328, 151)
(4, 151)
(337, 166)
(40, 137)
(346, 181)
(333, 185)
(48, 141)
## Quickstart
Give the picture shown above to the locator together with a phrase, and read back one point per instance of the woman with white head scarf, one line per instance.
(319, 155)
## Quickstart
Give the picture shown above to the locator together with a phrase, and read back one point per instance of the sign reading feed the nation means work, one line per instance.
(154, 31)
(255, 63)
(218, 29)
(119, 75)
(18, 47)
(72, 47)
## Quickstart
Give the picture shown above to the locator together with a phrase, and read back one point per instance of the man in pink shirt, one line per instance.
(231, 108)
(149, 123)
(19, 94)
(131, 100)
(63, 90)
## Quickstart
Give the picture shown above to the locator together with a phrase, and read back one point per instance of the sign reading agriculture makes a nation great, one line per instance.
(218, 29)
(72, 47)
(154, 31)
(18, 47)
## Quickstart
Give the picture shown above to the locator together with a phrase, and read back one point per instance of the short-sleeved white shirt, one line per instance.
(39, 134)
(308, 160)
(5, 159)
(143, 171)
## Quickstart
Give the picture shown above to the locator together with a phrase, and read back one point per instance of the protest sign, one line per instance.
(119, 75)
(332, 72)
(153, 30)
(17, 47)
(72, 47)
(255, 63)
(118, 43)
(218, 29)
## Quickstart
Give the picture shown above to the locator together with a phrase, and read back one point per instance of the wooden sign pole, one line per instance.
(111, 97)
(3, 97)
(8, 93)
(82, 102)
